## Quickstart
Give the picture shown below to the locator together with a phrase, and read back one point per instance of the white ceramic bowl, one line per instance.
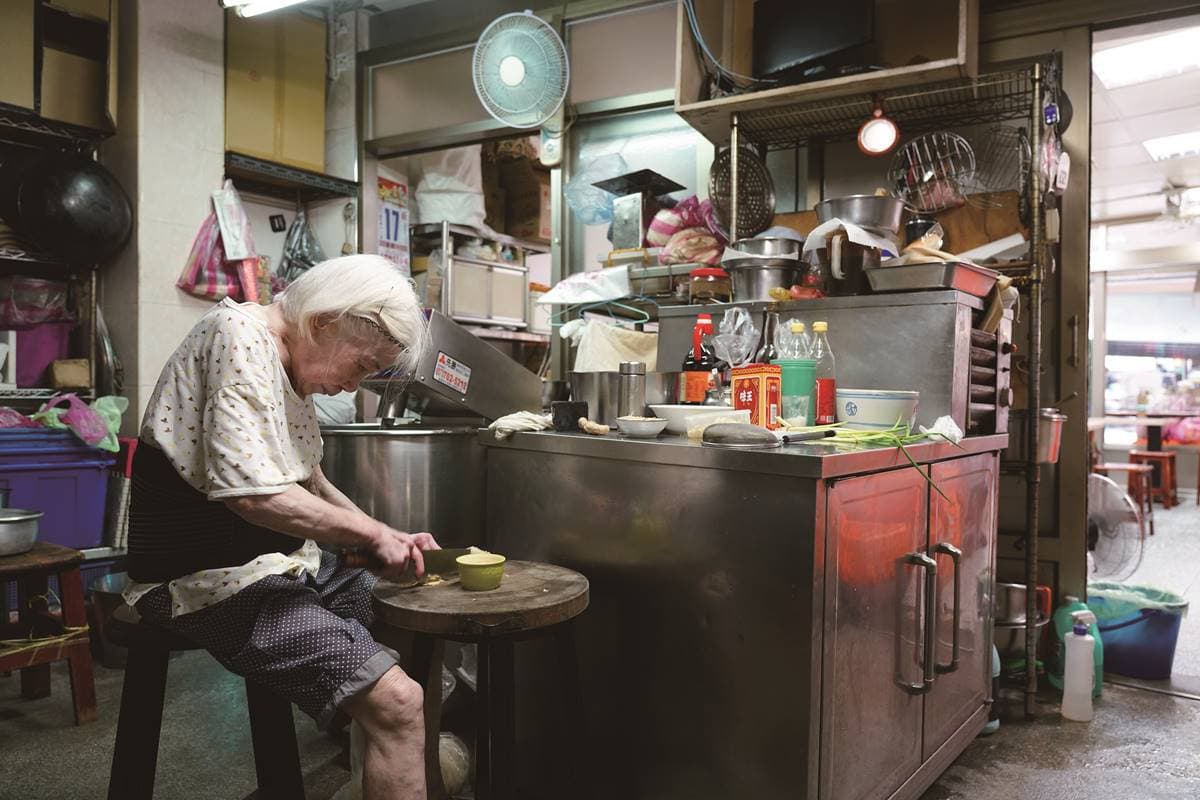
(641, 428)
(677, 416)
(876, 409)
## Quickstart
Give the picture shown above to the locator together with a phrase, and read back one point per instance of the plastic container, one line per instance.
(799, 376)
(54, 472)
(1079, 674)
(709, 285)
(1139, 626)
(1063, 623)
(37, 347)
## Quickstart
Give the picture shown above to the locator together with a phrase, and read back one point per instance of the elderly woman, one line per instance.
(229, 505)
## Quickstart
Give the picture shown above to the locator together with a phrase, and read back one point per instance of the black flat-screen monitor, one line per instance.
(790, 35)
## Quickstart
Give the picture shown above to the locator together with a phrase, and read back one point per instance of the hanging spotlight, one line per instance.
(878, 135)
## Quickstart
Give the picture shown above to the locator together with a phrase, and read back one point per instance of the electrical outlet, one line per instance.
(278, 223)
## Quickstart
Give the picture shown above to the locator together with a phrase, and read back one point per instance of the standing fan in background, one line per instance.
(521, 75)
(1115, 531)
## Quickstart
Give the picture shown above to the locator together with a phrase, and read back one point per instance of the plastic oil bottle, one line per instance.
(1078, 676)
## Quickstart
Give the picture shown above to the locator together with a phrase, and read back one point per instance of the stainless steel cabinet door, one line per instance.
(876, 569)
(961, 529)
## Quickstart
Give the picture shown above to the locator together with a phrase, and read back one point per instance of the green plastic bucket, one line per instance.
(798, 379)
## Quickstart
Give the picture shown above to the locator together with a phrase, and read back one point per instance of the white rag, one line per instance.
(509, 424)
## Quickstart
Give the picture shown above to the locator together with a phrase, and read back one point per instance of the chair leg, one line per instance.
(276, 754)
(83, 686)
(576, 727)
(484, 774)
(135, 753)
(35, 681)
(426, 669)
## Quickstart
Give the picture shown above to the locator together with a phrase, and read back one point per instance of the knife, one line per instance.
(438, 562)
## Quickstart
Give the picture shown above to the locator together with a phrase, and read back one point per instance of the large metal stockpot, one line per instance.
(414, 479)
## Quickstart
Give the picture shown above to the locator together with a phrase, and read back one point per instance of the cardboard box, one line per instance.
(757, 387)
(16, 54)
(73, 89)
(527, 195)
(71, 373)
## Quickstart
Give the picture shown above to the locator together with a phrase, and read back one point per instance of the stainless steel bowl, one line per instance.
(769, 246)
(600, 391)
(878, 212)
(18, 530)
(754, 278)
(1009, 638)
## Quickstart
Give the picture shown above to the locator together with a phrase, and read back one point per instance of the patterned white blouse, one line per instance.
(226, 416)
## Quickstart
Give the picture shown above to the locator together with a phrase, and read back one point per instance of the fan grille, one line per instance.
(543, 85)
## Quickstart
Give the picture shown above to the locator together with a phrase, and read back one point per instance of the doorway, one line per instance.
(1145, 310)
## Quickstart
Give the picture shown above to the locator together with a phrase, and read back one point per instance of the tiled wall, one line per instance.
(169, 155)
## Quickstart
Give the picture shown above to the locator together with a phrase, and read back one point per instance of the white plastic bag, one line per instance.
(603, 347)
(590, 287)
(449, 187)
(234, 224)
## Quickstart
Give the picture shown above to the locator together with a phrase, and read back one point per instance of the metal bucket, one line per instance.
(414, 479)
(1050, 422)
(106, 597)
(601, 391)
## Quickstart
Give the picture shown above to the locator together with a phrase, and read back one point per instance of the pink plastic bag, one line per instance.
(79, 417)
(208, 273)
(670, 221)
(11, 418)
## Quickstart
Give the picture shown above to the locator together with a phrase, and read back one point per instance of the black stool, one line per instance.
(135, 754)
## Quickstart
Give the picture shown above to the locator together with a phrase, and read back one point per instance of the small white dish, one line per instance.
(641, 427)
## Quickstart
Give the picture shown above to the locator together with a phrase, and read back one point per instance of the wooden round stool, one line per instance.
(1163, 486)
(1140, 476)
(534, 600)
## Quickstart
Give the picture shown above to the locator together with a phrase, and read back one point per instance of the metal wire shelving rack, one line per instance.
(1012, 94)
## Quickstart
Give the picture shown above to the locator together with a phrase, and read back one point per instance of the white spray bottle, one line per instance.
(1079, 672)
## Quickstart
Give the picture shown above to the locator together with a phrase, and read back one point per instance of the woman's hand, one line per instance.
(392, 550)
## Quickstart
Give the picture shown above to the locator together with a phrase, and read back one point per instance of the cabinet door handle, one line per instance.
(1073, 323)
(930, 615)
(955, 554)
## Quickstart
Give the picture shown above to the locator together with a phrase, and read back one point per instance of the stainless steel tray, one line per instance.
(967, 278)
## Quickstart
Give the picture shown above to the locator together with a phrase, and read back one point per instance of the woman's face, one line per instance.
(337, 360)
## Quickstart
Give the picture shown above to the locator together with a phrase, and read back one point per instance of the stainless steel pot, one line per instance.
(18, 530)
(1009, 637)
(754, 278)
(414, 479)
(601, 391)
(769, 246)
(1010, 603)
(877, 212)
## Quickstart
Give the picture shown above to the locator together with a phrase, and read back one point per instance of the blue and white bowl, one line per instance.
(876, 409)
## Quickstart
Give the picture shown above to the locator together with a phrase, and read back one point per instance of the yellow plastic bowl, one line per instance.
(480, 572)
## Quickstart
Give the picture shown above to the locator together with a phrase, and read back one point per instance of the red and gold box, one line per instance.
(757, 387)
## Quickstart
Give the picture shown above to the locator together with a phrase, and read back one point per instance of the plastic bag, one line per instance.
(670, 221)
(233, 222)
(301, 250)
(96, 425)
(209, 273)
(32, 301)
(11, 418)
(592, 205)
(449, 186)
(692, 246)
(735, 342)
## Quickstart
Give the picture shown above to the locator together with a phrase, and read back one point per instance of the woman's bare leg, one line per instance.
(391, 715)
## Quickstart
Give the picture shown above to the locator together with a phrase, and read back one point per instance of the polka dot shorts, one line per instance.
(304, 638)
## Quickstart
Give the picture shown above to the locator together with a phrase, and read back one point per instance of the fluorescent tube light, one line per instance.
(1150, 59)
(256, 7)
(1180, 145)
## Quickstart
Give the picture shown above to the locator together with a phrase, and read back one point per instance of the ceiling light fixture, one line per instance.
(252, 8)
(878, 135)
(1150, 59)
(1179, 145)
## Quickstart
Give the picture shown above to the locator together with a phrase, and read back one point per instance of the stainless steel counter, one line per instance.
(798, 460)
(783, 623)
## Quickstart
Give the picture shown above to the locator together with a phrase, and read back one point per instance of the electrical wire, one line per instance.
(738, 80)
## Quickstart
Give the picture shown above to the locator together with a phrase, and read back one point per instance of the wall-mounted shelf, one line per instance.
(258, 176)
(500, 334)
(15, 260)
(18, 126)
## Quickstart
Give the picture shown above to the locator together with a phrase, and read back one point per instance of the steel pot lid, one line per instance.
(18, 515)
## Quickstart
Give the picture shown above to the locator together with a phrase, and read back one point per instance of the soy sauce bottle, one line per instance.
(698, 365)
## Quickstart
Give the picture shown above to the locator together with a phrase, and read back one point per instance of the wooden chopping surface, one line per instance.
(532, 595)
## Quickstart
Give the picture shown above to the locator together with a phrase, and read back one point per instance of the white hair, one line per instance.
(366, 288)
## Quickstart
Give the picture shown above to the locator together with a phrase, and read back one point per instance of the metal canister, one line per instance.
(631, 394)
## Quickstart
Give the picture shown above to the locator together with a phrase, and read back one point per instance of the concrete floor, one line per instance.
(1142, 744)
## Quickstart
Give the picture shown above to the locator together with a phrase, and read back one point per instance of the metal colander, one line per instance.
(755, 192)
